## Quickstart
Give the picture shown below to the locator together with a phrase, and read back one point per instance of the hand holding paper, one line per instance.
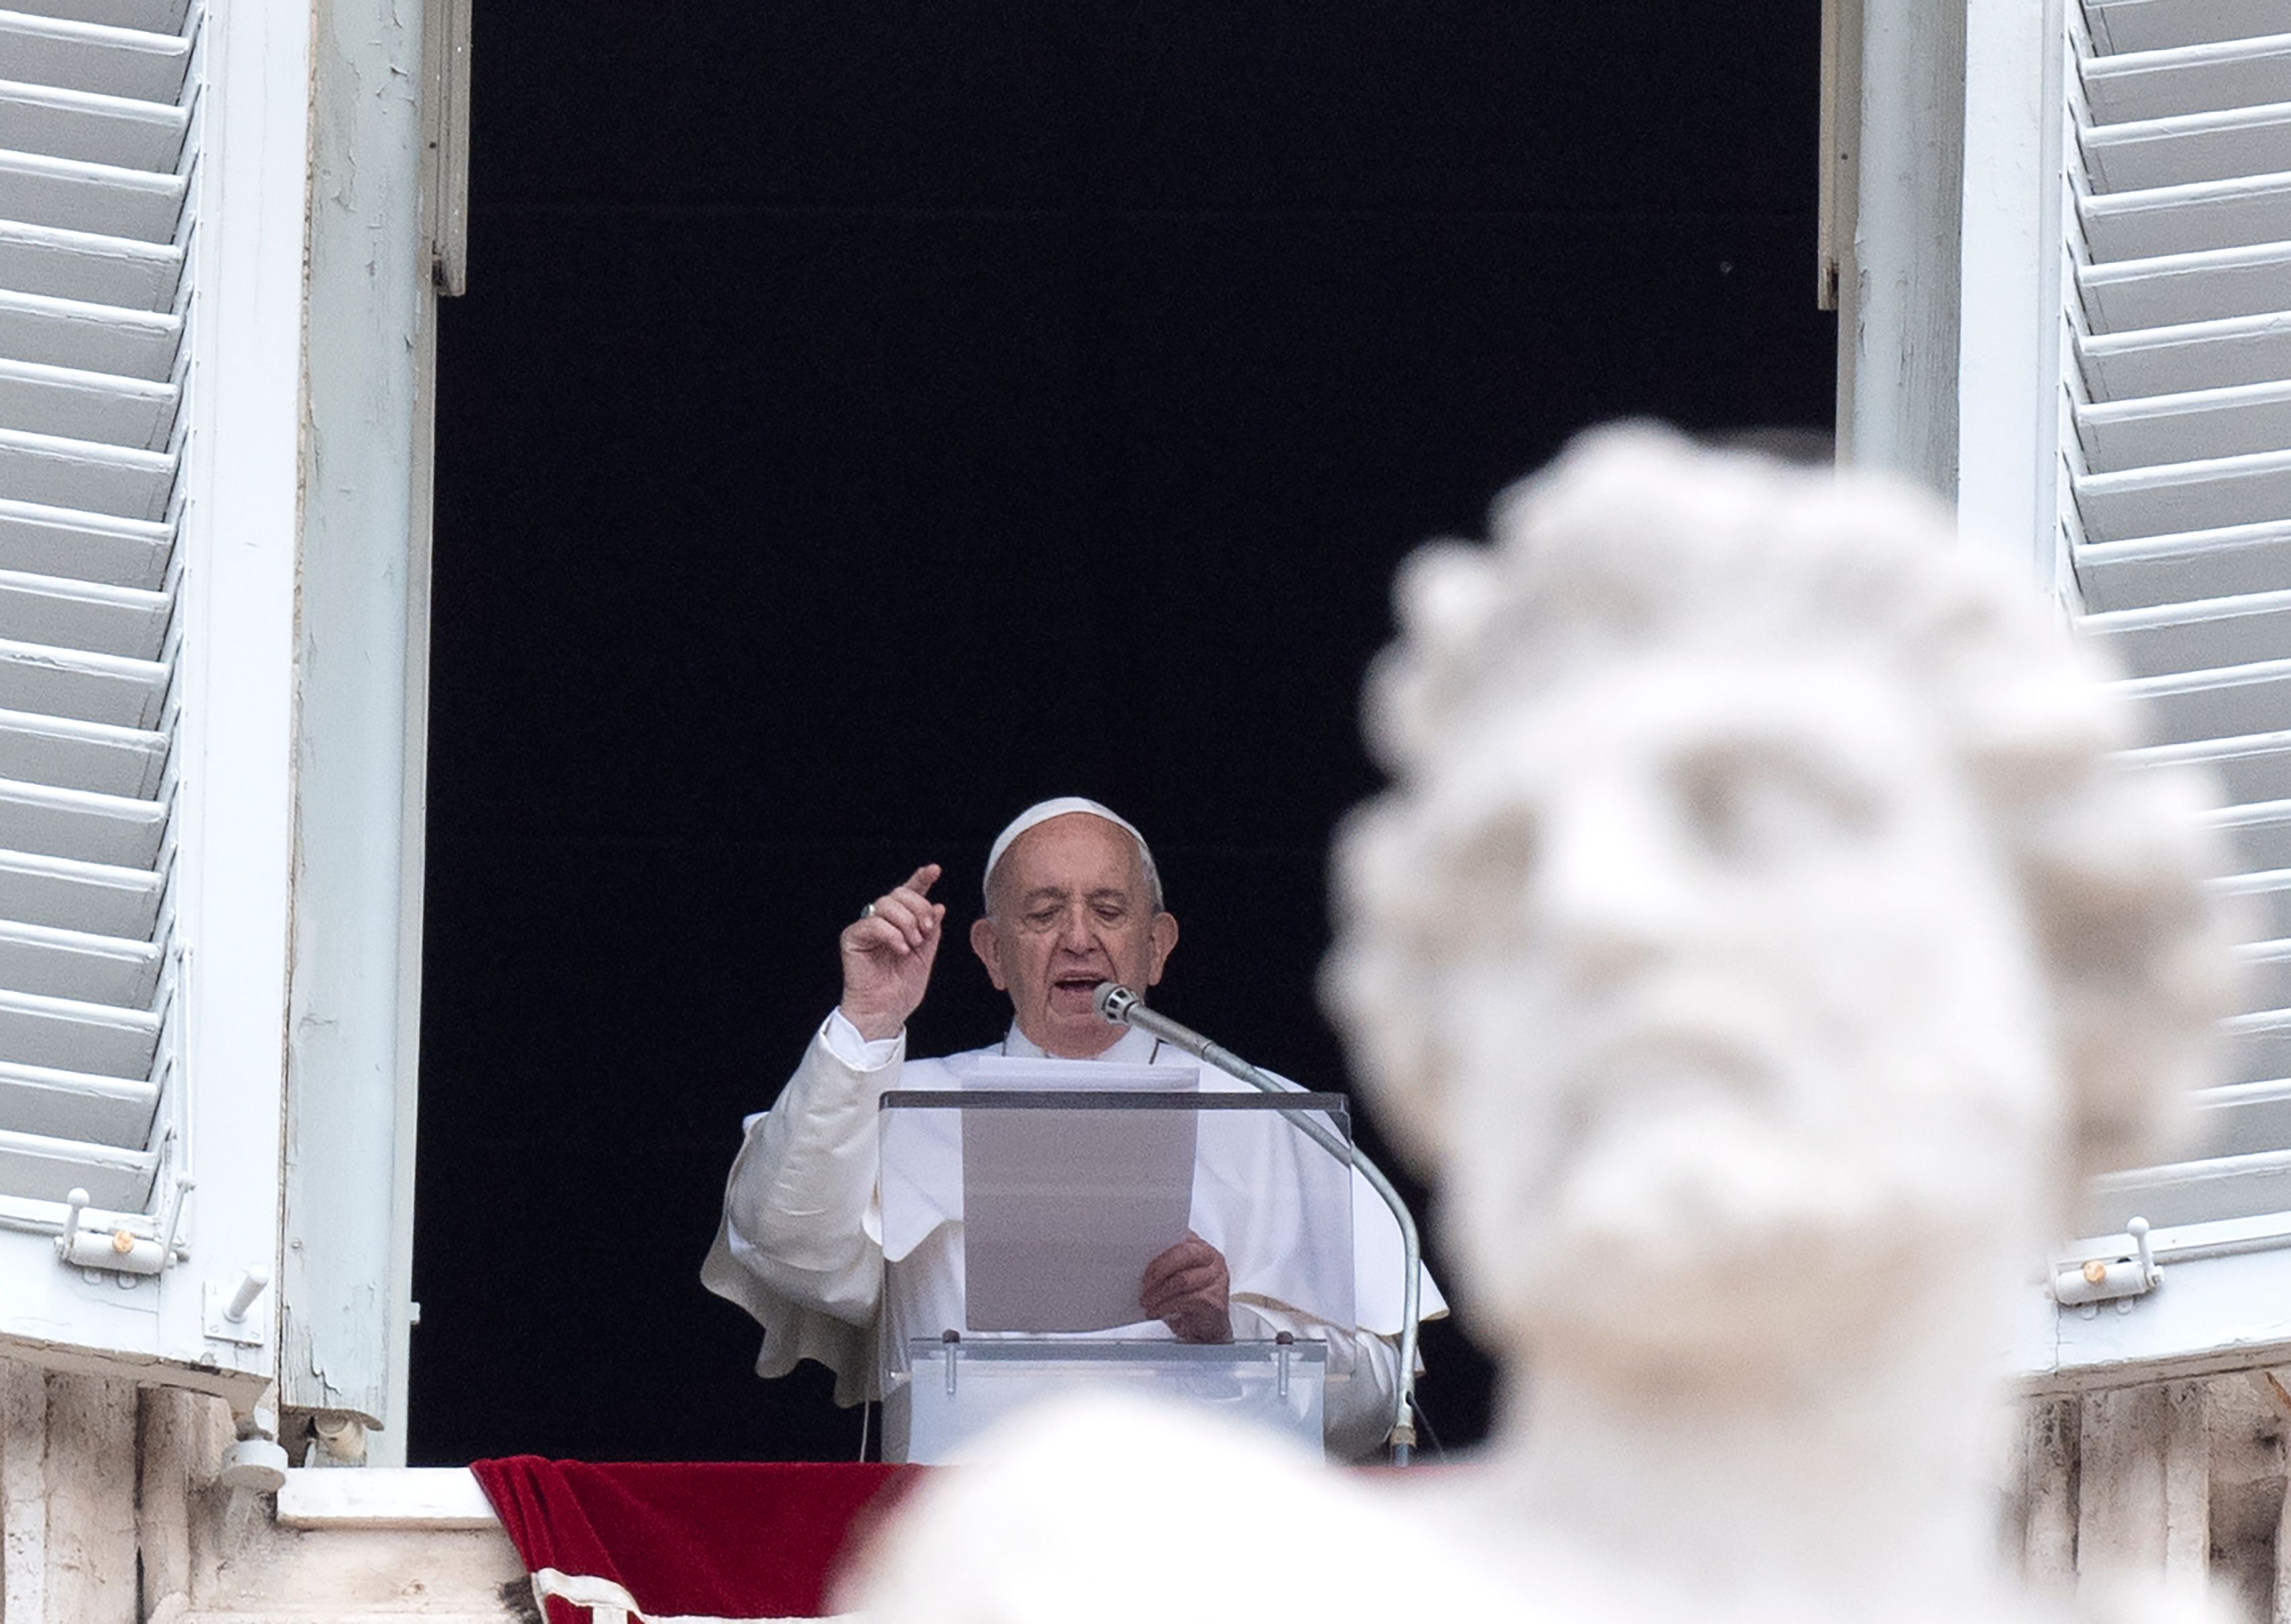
(1185, 1288)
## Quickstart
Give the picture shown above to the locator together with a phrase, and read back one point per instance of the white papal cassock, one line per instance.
(800, 1246)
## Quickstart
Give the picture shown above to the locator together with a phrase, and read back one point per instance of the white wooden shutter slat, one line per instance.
(98, 618)
(2245, 1118)
(2262, 751)
(109, 61)
(116, 272)
(2182, 706)
(2187, 360)
(146, 16)
(2200, 1191)
(2172, 290)
(2210, 494)
(86, 758)
(78, 964)
(2176, 151)
(2253, 767)
(86, 406)
(2158, 25)
(77, 1106)
(2268, 978)
(2168, 638)
(2235, 421)
(71, 682)
(50, 1169)
(115, 479)
(50, 820)
(2259, 1050)
(106, 898)
(57, 542)
(2235, 72)
(2230, 214)
(64, 1034)
(2261, 831)
(73, 124)
(2157, 569)
(2266, 901)
(2267, 981)
(90, 337)
(2269, 962)
(101, 199)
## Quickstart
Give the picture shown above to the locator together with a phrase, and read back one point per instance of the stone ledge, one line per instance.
(339, 1575)
(385, 1498)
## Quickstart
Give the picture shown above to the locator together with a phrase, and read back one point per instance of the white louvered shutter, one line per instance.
(111, 213)
(2174, 507)
(92, 178)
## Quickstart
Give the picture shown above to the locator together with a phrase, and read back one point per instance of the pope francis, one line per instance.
(1072, 899)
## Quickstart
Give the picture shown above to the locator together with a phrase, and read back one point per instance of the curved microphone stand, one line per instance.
(1119, 1005)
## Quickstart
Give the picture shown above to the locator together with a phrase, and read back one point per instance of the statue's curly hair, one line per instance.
(1635, 539)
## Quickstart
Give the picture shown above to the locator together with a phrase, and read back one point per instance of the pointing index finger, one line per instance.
(921, 880)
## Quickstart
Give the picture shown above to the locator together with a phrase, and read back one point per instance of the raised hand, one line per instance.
(1185, 1288)
(887, 953)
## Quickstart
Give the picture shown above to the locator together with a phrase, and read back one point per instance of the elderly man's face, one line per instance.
(1069, 909)
(1740, 1013)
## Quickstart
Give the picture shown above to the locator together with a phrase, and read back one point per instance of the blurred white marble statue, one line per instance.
(1757, 945)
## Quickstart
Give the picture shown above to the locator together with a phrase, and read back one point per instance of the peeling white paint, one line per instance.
(360, 691)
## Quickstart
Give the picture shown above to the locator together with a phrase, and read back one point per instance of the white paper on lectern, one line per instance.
(1277, 1207)
(1063, 1209)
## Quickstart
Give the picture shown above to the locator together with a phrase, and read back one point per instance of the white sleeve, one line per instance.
(800, 1245)
(860, 1054)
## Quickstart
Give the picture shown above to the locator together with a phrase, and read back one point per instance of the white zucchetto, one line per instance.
(1042, 812)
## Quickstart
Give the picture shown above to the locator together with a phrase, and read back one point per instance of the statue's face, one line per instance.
(1742, 1022)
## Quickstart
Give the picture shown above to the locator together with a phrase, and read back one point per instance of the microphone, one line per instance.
(1114, 1002)
(1118, 1004)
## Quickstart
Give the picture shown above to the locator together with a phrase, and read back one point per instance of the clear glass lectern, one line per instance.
(1020, 1212)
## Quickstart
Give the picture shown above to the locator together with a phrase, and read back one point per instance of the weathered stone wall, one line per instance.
(111, 1512)
(2182, 1479)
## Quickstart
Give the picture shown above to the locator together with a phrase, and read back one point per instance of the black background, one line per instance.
(866, 420)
